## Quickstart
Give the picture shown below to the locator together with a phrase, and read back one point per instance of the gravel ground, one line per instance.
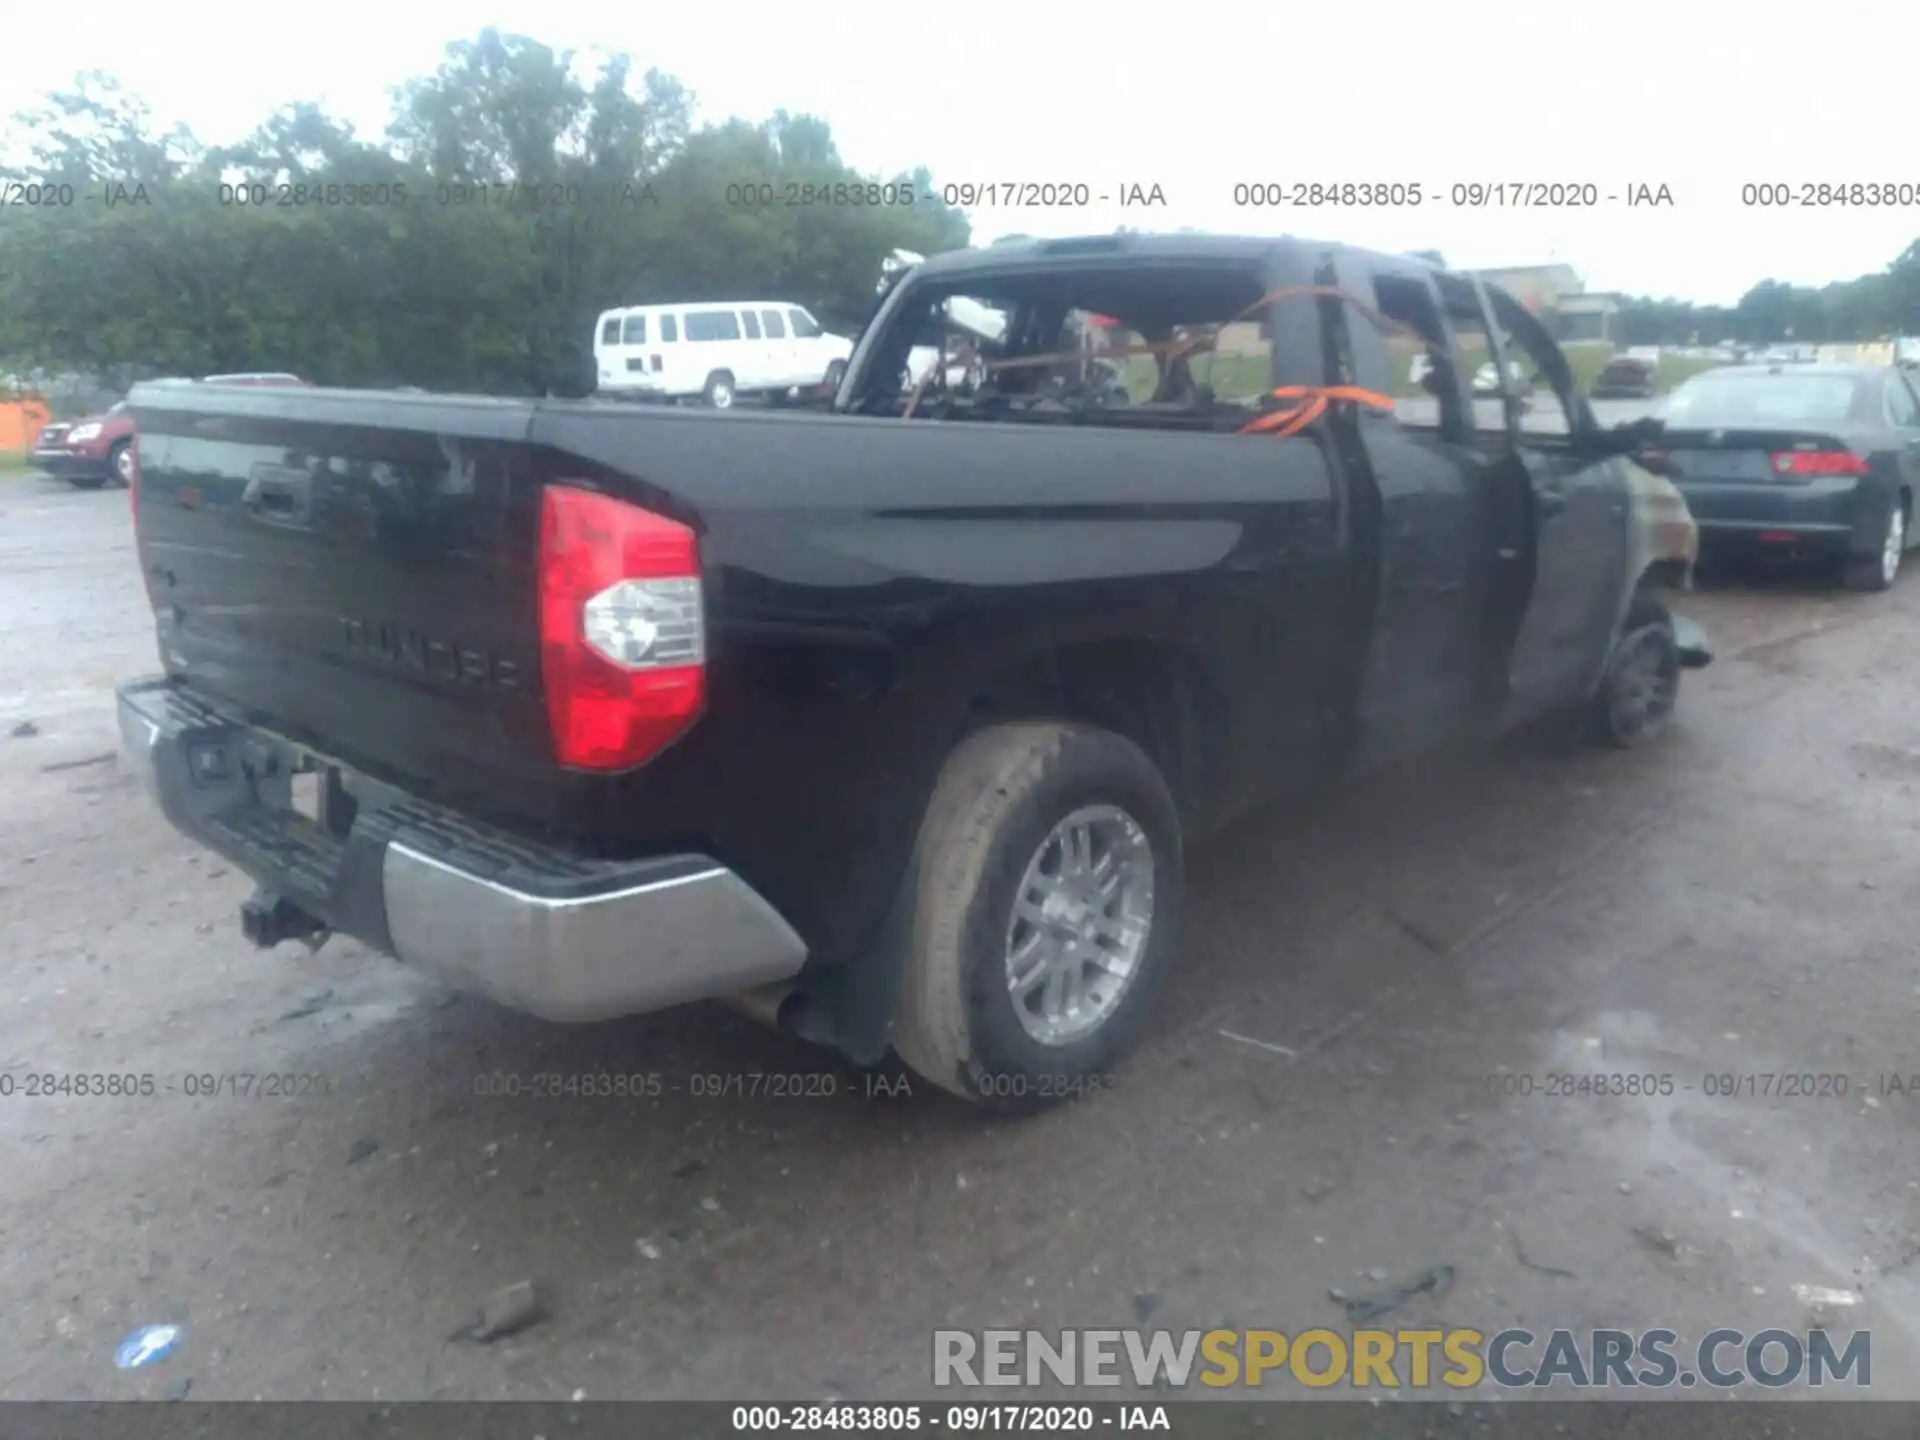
(1738, 899)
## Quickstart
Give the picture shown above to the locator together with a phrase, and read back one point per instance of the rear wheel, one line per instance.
(1878, 571)
(1049, 883)
(121, 459)
(836, 372)
(719, 390)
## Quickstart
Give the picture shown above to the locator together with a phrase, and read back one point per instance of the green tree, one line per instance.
(540, 187)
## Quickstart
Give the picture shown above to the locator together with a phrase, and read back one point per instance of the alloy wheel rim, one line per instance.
(1082, 918)
(1644, 689)
(1895, 543)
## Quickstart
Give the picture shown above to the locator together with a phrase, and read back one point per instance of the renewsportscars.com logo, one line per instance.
(1395, 1359)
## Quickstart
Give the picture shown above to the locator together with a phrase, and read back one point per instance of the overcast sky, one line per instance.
(1700, 97)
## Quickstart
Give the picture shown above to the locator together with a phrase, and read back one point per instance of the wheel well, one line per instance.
(1647, 603)
(1667, 574)
(1156, 695)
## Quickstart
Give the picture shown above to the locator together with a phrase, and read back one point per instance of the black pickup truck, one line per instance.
(895, 721)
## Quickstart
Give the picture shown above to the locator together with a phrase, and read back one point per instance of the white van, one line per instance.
(716, 350)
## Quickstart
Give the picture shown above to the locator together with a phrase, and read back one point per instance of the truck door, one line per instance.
(1580, 521)
(1425, 519)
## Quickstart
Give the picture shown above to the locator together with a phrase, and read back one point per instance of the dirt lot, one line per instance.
(1741, 899)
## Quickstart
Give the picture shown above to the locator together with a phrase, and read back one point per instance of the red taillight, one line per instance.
(622, 631)
(1818, 462)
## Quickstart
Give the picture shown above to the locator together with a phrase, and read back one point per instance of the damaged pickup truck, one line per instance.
(895, 722)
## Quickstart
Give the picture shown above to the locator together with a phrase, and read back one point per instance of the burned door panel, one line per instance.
(1580, 533)
(1422, 682)
(1420, 687)
(1580, 582)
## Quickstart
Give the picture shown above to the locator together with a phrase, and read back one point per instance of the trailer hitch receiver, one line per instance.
(268, 917)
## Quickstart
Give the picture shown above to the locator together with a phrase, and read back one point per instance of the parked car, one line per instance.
(1627, 378)
(894, 722)
(88, 453)
(1800, 462)
(716, 351)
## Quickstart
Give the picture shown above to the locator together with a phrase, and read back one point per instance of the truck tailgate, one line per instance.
(358, 572)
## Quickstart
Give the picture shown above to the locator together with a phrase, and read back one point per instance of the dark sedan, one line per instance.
(1799, 462)
(1627, 379)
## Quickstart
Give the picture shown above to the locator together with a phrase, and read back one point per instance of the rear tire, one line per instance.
(1877, 572)
(120, 462)
(718, 393)
(1100, 921)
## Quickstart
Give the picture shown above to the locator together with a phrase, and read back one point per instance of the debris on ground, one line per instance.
(179, 1389)
(99, 759)
(1434, 1280)
(25, 730)
(1825, 1295)
(310, 1004)
(362, 1148)
(507, 1311)
(146, 1346)
(647, 1248)
(1520, 1254)
(1662, 1241)
(1316, 1190)
(1266, 1045)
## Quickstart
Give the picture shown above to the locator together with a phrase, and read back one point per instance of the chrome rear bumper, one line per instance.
(529, 925)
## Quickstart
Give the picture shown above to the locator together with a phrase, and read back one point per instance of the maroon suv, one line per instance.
(90, 452)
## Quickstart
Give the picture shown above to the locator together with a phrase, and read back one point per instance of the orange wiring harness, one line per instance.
(1313, 402)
